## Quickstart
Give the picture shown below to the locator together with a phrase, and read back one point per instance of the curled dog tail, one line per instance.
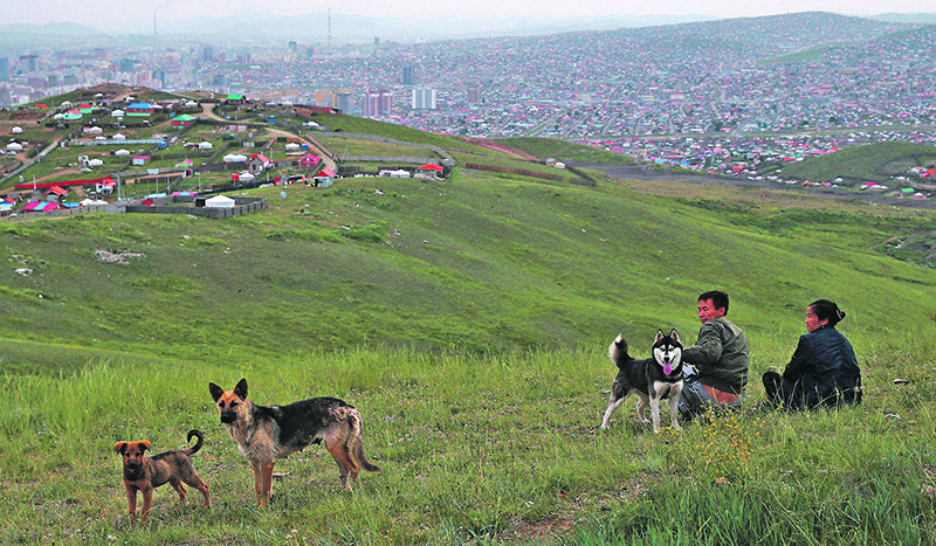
(356, 444)
(617, 351)
(201, 440)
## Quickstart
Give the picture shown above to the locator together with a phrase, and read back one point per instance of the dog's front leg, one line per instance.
(258, 483)
(674, 408)
(655, 412)
(267, 475)
(147, 502)
(131, 500)
(263, 482)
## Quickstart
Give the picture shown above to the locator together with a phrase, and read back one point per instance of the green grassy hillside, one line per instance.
(869, 163)
(479, 263)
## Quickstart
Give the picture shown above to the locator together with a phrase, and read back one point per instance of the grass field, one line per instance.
(870, 163)
(468, 320)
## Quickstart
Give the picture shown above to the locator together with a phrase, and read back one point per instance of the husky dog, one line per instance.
(652, 379)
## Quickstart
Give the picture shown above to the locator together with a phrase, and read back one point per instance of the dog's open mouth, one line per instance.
(667, 369)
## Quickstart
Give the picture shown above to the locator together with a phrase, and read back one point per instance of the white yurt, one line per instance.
(205, 145)
(119, 136)
(118, 113)
(122, 153)
(246, 177)
(14, 147)
(220, 202)
(95, 163)
(292, 147)
(16, 130)
(235, 158)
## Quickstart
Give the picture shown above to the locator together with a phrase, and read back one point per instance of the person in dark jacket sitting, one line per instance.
(823, 371)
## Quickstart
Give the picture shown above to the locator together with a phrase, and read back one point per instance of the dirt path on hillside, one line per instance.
(313, 147)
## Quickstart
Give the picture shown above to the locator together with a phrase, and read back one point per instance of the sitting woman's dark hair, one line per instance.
(827, 309)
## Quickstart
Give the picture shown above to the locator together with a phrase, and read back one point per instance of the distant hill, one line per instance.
(51, 32)
(915, 18)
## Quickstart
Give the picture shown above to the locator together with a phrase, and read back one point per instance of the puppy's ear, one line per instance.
(241, 389)
(216, 391)
(144, 445)
(659, 336)
(675, 335)
(120, 447)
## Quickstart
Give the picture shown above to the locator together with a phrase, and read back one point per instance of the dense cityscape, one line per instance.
(789, 86)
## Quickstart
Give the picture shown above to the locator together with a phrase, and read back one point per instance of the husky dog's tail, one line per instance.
(617, 352)
(356, 444)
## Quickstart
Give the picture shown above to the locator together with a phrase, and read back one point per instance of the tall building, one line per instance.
(28, 62)
(343, 99)
(376, 103)
(409, 75)
(294, 46)
(424, 99)
(207, 54)
(128, 65)
(325, 97)
(474, 95)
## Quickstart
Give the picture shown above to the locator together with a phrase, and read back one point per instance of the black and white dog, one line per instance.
(652, 379)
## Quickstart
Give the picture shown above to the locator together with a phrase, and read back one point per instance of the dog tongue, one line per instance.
(667, 369)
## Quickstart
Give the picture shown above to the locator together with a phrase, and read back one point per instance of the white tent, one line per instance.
(95, 163)
(246, 177)
(118, 113)
(220, 202)
(16, 130)
(122, 153)
(119, 136)
(235, 158)
(205, 146)
(14, 147)
(292, 147)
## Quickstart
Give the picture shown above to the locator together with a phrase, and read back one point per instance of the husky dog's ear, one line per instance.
(659, 336)
(675, 335)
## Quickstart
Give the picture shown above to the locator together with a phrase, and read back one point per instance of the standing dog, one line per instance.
(142, 473)
(652, 379)
(266, 433)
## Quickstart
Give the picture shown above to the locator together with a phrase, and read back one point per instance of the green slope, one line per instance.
(480, 263)
(869, 163)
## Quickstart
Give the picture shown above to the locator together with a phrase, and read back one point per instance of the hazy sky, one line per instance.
(109, 11)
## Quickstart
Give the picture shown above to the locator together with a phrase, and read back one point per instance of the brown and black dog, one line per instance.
(142, 473)
(266, 433)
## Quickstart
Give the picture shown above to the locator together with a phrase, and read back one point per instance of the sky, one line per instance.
(106, 12)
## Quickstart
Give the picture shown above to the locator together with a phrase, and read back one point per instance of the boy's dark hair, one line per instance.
(719, 299)
(827, 309)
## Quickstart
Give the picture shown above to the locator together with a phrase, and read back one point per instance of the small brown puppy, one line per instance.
(142, 473)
